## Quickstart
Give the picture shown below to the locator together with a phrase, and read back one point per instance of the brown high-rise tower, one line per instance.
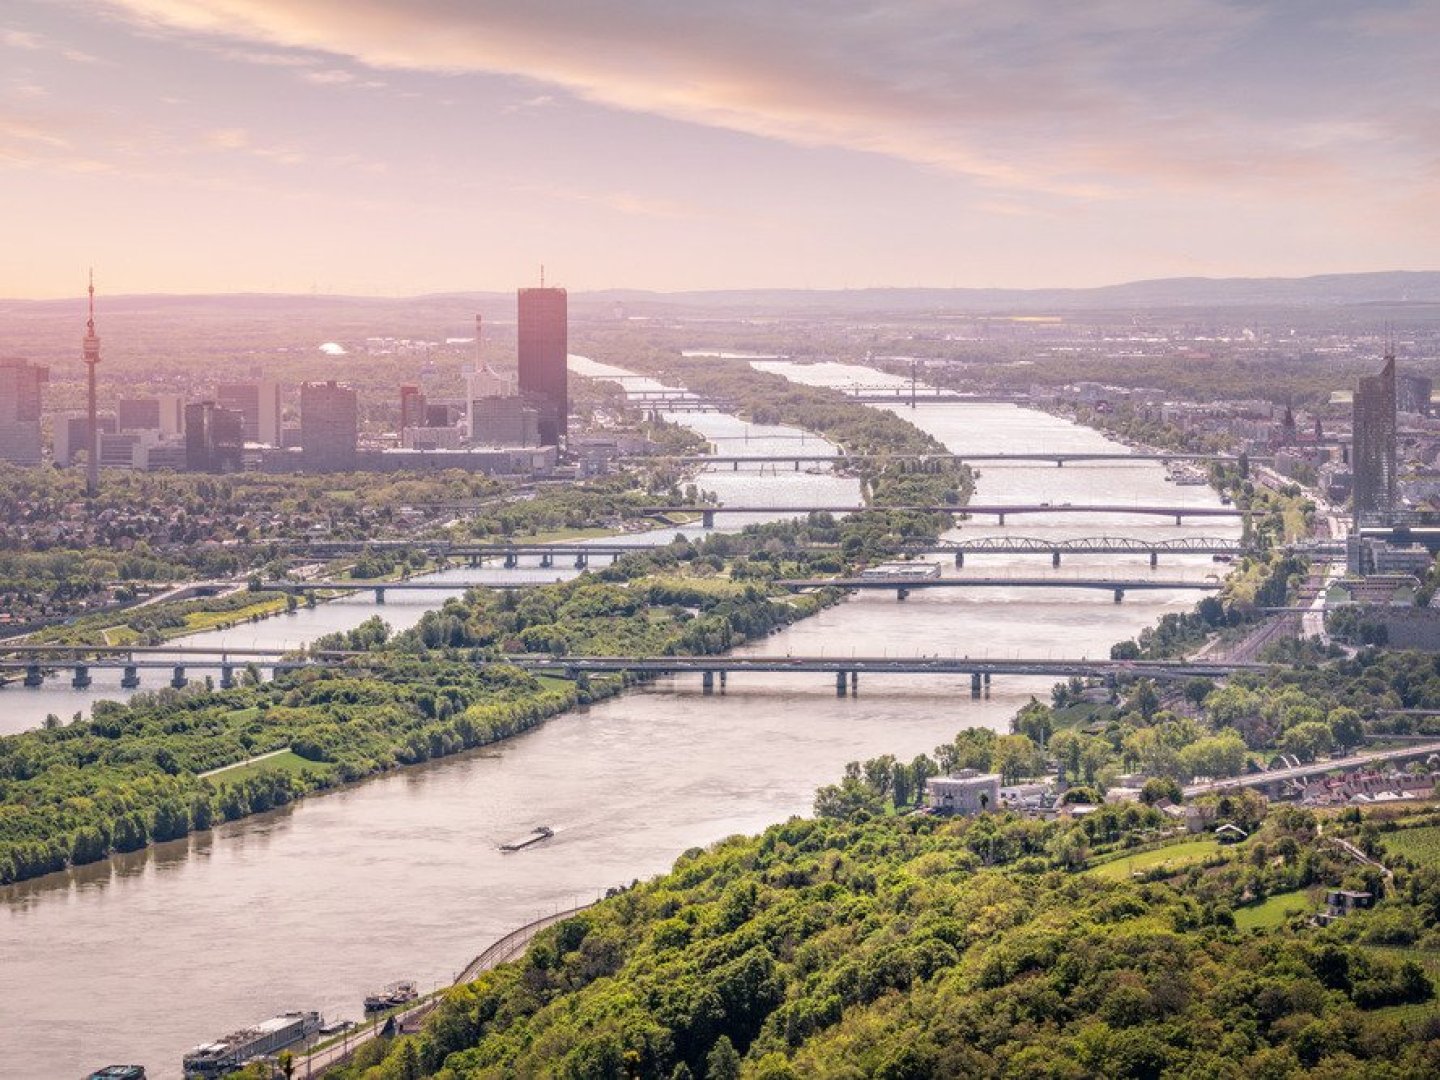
(1373, 461)
(91, 352)
(543, 345)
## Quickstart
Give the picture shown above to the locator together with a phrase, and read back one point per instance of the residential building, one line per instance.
(20, 393)
(967, 792)
(329, 426)
(543, 345)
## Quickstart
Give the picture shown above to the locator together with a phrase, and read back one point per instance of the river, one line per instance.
(138, 958)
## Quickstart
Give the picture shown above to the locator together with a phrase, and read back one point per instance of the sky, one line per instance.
(398, 147)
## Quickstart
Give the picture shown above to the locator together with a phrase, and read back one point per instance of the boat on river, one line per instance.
(535, 836)
(392, 996)
(226, 1055)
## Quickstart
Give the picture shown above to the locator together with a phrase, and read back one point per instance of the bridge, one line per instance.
(583, 553)
(903, 586)
(1281, 778)
(999, 510)
(32, 662)
(847, 670)
(35, 661)
(1059, 459)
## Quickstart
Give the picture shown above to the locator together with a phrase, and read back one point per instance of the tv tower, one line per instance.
(92, 357)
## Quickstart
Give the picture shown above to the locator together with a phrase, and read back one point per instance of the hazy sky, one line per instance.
(406, 146)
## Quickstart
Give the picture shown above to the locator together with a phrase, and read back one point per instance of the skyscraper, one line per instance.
(412, 409)
(542, 354)
(1374, 456)
(214, 438)
(20, 383)
(329, 426)
(258, 404)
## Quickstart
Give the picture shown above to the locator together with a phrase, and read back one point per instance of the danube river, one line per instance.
(138, 958)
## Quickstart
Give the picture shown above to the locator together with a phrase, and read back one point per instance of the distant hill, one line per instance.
(1327, 290)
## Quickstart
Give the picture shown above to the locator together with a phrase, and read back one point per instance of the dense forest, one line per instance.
(998, 946)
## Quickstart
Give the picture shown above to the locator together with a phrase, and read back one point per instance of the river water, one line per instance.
(140, 957)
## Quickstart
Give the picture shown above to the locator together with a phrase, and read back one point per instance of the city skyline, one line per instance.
(372, 148)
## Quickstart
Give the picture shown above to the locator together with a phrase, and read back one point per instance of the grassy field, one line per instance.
(1272, 912)
(1422, 845)
(1173, 856)
(284, 761)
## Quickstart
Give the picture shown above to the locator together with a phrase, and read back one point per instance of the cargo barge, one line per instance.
(539, 833)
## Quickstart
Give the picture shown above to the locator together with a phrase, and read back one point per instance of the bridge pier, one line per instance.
(975, 684)
(82, 677)
(1059, 462)
(959, 559)
(547, 560)
(177, 678)
(707, 682)
(227, 676)
(902, 593)
(707, 519)
(1154, 559)
(475, 561)
(511, 560)
(1055, 557)
(1119, 595)
(1001, 517)
(735, 465)
(855, 683)
(1177, 519)
(839, 684)
(723, 674)
(987, 683)
(581, 561)
(379, 596)
(131, 678)
(797, 464)
(33, 676)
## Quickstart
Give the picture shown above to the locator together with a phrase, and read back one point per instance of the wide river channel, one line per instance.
(141, 957)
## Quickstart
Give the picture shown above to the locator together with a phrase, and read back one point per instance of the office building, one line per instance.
(1374, 455)
(72, 434)
(329, 426)
(543, 343)
(412, 409)
(506, 421)
(20, 391)
(138, 414)
(214, 438)
(1412, 394)
(258, 404)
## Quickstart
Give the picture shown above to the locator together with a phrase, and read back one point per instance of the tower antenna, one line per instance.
(91, 354)
(542, 275)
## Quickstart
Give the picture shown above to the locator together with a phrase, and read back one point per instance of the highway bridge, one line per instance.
(583, 553)
(903, 586)
(34, 663)
(1058, 459)
(999, 510)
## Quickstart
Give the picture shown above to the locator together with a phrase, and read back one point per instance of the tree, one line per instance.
(1346, 727)
(722, 1063)
(1145, 700)
(1035, 721)
(1015, 756)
